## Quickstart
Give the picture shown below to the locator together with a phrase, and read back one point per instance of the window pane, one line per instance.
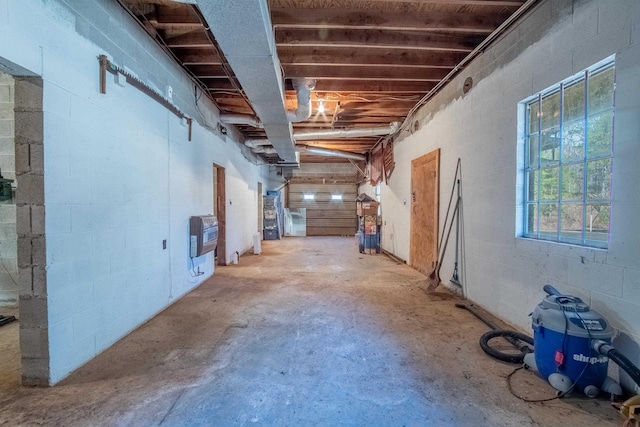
(533, 186)
(573, 142)
(549, 219)
(599, 179)
(550, 150)
(601, 91)
(568, 159)
(572, 182)
(533, 151)
(600, 134)
(549, 184)
(573, 104)
(597, 221)
(532, 219)
(551, 110)
(571, 217)
(533, 117)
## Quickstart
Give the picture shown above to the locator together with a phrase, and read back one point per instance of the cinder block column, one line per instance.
(34, 323)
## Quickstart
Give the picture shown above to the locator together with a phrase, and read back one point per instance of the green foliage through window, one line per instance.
(568, 150)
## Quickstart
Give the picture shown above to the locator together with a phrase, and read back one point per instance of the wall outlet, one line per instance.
(169, 93)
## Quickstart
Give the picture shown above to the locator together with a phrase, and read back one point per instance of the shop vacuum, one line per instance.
(572, 347)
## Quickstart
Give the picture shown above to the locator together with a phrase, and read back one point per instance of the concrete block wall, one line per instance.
(8, 237)
(106, 179)
(502, 272)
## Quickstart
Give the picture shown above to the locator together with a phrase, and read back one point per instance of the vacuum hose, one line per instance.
(613, 354)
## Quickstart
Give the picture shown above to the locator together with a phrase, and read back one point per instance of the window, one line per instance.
(309, 197)
(336, 197)
(568, 157)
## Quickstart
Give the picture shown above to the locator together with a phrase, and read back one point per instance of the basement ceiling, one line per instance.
(373, 60)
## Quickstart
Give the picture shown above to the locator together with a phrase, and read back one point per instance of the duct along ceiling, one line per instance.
(359, 67)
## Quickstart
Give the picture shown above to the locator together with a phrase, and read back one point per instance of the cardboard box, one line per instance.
(367, 208)
(370, 224)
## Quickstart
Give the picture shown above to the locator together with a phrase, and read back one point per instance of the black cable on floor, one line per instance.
(524, 399)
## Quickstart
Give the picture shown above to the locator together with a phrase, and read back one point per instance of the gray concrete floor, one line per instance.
(309, 333)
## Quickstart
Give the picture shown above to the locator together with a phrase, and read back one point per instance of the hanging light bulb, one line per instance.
(321, 107)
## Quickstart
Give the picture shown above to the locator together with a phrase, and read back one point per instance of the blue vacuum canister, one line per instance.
(564, 328)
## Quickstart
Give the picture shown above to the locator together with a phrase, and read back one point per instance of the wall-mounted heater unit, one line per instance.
(203, 230)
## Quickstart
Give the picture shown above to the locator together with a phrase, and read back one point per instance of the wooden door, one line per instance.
(260, 209)
(220, 203)
(425, 184)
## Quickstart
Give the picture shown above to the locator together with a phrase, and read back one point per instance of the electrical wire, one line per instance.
(7, 270)
(524, 399)
(193, 272)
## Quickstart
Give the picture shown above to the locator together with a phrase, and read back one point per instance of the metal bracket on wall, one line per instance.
(108, 66)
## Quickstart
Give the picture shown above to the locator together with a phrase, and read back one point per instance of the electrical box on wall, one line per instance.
(203, 233)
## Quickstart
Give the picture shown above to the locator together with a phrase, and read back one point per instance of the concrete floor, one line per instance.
(309, 333)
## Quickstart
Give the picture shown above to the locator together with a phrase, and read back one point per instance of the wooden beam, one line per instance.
(180, 16)
(352, 86)
(309, 158)
(207, 71)
(342, 18)
(377, 39)
(334, 179)
(498, 3)
(368, 73)
(377, 105)
(357, 57)
(197, 56)
(194, 39)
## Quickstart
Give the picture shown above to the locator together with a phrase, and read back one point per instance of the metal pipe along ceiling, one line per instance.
(303, 89)
(241, 119)
(254, 143)
(315, 150)
(245, 35)
(346, 133)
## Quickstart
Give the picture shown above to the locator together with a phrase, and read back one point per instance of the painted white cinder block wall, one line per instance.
(502, 272)
(120, 174)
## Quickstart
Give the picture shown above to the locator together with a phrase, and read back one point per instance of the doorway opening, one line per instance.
(23, 343)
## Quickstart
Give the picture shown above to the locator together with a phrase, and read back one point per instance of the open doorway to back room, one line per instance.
(9, 288)
(24, 343)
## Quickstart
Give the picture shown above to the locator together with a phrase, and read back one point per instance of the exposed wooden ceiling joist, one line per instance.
(358, 57)
(354, 73)
(377, 39)
(328, 19)
(373, 59)
(501, 3)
